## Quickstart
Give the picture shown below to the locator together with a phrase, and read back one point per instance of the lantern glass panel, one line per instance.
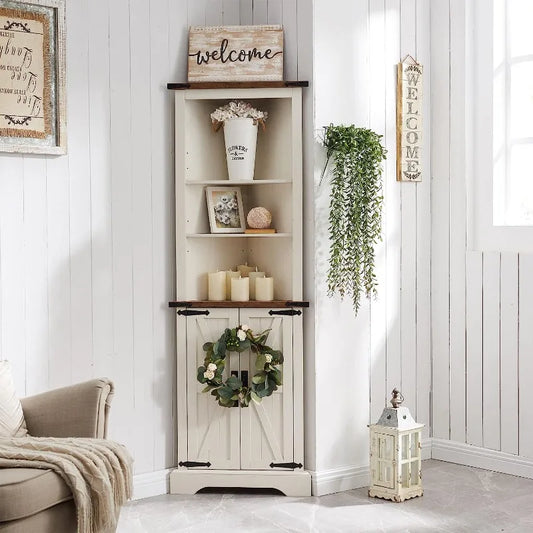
(415, 444)
(386, 447)
(414, 473)
(406, 470)
(405, 447)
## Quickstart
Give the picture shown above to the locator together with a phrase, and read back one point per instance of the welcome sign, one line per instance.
(235, 53)
(409, 121)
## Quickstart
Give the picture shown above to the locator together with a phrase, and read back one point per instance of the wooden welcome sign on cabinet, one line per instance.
(409, 121)
(235, 53)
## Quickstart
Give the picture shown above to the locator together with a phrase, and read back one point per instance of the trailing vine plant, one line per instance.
(355, 209)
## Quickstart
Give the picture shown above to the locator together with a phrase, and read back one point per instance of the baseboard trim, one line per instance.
(339, 479)
(466, 454)
(151, 484)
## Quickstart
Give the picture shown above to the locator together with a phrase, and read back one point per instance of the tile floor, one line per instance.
(457, 499)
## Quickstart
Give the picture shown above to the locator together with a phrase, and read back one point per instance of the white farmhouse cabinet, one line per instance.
(260, 445)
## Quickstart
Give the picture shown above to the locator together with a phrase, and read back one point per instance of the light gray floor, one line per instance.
(456, 499)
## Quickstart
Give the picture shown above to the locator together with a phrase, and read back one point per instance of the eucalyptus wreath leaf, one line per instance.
(356, 202)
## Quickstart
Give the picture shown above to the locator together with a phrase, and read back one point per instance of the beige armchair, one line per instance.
(37, 500)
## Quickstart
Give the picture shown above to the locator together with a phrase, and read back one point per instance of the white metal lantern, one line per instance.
(395, 454)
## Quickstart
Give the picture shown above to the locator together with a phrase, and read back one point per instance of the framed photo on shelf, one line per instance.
(32, 76)
(224, 206)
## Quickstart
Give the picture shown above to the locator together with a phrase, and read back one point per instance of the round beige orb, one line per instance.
(259, 218)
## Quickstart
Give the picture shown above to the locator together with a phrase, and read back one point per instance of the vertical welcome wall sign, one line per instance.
(235, 53)
(409, 120)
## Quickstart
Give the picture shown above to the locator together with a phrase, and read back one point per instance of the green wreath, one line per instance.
(232, 392)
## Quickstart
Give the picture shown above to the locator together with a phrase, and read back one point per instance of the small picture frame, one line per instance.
(224, 206)
(32, 76)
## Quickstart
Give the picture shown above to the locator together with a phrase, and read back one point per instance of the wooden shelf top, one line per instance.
(275, 304)
(236, 85)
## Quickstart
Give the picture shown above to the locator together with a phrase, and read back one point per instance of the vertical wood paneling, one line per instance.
(509, 352)
(141, 176)
(290, 39)
(213, 12)
(423, 232)
(246, 12)
(59, 290)
(408, 251)
(275, 12)
(440, 222)
(163, 275)
(525, 350)
(231, 15)
(79, 366)
(392, 191)
(35, 272)
(100, 172)
(491, 350)
(260, 11)
(474, 340)
(457, 221)
(12, 267)
(378, 356)
(122, 219)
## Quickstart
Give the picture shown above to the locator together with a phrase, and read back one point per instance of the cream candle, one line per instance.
(230, 274)
(216, 286)
(245, 269)
(253, 276)
(240, 289)
(264, 289)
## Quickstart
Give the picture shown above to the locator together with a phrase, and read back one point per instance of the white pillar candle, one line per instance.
(264, 289)
(245, 269)
(229, 275)
(253, 276)
(216, 287)
(240, 289)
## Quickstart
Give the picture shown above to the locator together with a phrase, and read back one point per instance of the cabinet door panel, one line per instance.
(213, 431)
(267, 428)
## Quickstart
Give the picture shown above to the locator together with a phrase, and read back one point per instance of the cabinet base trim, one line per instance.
(191, 481)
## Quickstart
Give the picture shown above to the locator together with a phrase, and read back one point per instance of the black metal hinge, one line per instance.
(189, 464)
(286, 465)
(289, 312)
(190, 312)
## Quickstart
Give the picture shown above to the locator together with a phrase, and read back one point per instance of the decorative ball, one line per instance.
(259, 218)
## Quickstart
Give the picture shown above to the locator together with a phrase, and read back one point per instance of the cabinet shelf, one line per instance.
(275, 304)
(238, 235)
(228, 183)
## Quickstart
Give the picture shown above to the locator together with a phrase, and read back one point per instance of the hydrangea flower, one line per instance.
(241, 334)
(237, 109)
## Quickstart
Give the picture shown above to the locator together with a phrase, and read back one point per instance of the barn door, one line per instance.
(267, 428)
(213, 431)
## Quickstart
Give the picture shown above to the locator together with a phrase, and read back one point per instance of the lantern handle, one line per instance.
(397, 398)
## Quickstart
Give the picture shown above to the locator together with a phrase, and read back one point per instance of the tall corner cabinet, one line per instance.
(261, 445)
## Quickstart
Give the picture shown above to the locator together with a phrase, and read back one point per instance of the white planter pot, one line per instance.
(240, 135)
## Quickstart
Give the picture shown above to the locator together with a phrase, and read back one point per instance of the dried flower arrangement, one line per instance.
(238, 109)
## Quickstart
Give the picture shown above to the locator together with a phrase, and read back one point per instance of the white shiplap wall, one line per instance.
(86, 240)
(482, 301)
(388, 344)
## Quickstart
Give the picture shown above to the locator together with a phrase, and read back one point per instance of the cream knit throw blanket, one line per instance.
(97, 471)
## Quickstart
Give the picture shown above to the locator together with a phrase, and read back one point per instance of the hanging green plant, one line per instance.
(355, 209)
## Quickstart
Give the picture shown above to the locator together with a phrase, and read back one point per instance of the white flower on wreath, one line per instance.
(244, 327)
(212, 367)
(209, 374)
(268, 358)
(241, 334)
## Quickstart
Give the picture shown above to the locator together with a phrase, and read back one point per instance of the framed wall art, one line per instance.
(32, 76)
(226, 214)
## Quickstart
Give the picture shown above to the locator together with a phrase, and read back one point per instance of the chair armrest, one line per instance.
(77, 411)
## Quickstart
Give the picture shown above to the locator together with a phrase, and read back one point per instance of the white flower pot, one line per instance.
(240, 135)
